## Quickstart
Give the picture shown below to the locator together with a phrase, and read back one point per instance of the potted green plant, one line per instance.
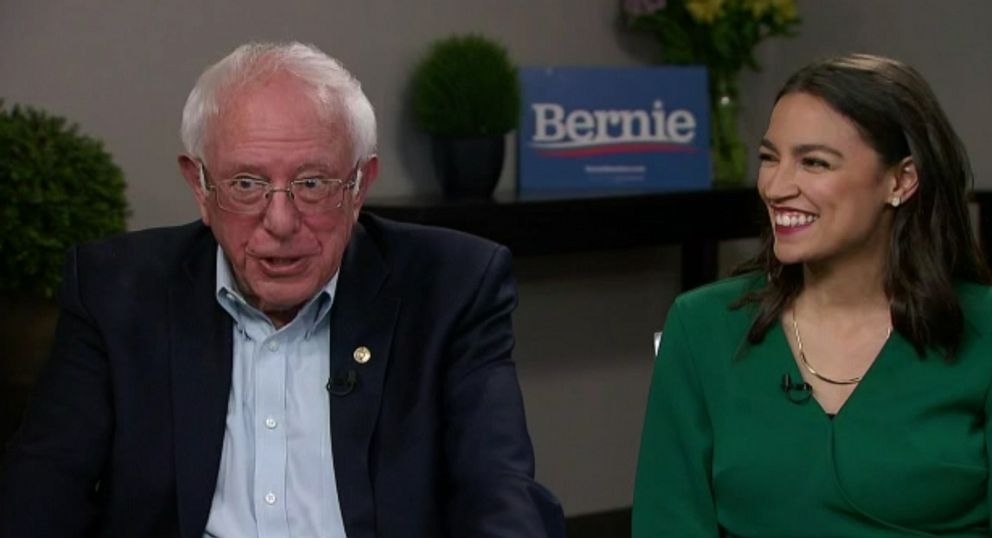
(57, 188)
(466, 95)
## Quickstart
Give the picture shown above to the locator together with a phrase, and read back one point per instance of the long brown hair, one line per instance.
(932, 243)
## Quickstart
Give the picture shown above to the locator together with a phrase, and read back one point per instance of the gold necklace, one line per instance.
(809, 367)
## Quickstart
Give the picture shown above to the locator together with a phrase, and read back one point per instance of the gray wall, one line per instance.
(122, 70)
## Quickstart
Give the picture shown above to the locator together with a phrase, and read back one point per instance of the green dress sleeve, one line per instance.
(673, 494)
(988, 453)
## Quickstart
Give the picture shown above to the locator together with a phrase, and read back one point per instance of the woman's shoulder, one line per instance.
(975, 299)
(710, 316)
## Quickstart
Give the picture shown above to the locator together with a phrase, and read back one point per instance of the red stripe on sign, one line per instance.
(617, 148)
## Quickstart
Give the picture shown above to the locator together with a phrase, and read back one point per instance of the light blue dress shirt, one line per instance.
(276, 476)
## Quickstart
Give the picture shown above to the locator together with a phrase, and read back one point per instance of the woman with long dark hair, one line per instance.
(841, 384)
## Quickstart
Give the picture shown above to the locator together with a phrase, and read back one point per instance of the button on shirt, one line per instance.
(276, 476)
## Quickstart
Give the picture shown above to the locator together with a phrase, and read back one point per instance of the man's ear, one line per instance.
(364, 178)
(193, 172)
(906, 181)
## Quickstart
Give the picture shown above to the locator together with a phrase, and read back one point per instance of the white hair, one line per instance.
(332, 86)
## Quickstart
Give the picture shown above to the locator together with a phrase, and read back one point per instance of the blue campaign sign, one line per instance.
(589, 129)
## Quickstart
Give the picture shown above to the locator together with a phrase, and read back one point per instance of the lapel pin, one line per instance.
(362, 355)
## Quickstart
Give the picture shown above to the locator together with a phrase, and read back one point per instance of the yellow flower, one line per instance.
(785, 10)
(758, 7)
(781, 10)
(704, 11)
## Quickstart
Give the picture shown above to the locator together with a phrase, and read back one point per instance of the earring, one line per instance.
(895, 201)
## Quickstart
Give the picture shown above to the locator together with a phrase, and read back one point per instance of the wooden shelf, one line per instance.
(696, 220)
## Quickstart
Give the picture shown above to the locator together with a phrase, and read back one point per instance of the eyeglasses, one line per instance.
(248, 195)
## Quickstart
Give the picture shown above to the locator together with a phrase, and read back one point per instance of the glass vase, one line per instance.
(728, 153)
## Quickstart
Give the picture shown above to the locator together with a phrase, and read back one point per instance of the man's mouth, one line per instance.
(280, 265)
(280, 261)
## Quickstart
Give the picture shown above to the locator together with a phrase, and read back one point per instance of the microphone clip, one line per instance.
(797, 393)
(341, 384)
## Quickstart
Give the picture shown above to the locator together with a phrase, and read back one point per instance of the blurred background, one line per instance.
(122, 70)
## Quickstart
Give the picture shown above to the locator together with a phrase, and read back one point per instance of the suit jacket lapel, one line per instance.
(364, 315)
(201, 347)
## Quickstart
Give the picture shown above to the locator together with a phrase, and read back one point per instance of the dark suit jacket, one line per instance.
(124, 437)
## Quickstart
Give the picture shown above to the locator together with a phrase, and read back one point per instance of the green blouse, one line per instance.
(725, 452)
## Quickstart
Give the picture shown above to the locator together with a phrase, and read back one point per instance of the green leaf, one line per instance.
(466, 86)
(58, 187)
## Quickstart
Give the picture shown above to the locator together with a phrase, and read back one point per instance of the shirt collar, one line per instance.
(231, 300)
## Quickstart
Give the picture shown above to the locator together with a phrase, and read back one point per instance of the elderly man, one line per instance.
(287, 367)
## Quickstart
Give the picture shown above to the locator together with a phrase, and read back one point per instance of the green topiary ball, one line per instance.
(466, 86)
(57, 188)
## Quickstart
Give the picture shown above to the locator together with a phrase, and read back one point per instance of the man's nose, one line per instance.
(281, 218)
